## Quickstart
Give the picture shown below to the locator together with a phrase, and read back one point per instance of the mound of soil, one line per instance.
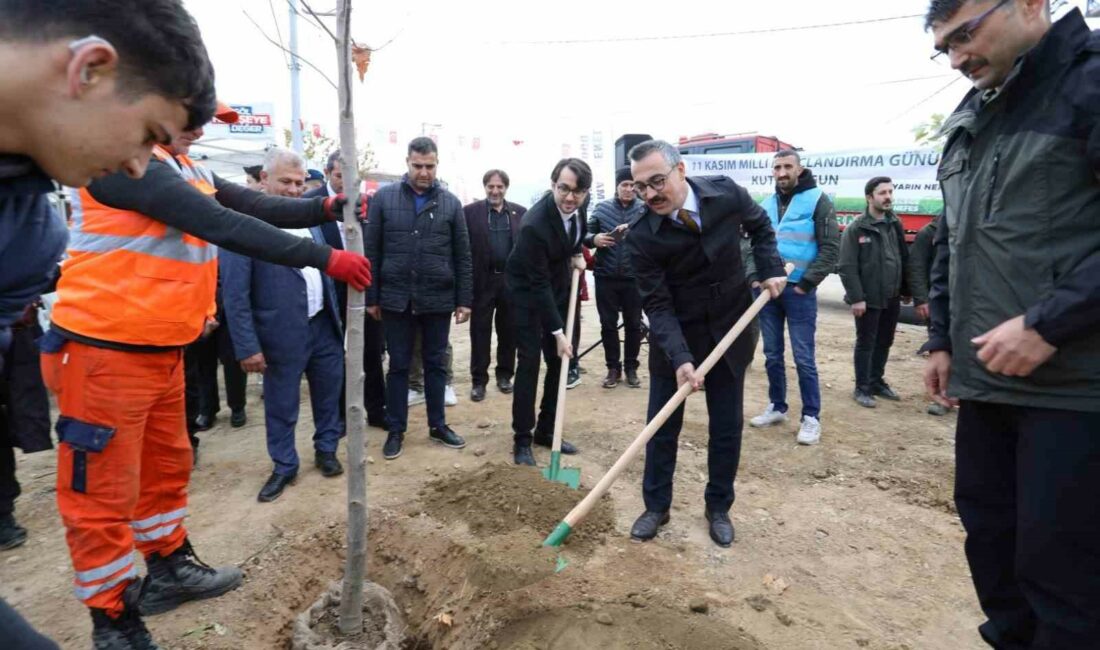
(496, 500)
(506, 562)
(620, 627)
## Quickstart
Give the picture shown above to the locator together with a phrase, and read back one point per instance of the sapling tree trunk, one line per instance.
(351, 598)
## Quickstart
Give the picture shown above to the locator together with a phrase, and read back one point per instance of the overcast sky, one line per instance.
(483, 69)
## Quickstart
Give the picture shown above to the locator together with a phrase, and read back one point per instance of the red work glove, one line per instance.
(349, 267)
(334, 207)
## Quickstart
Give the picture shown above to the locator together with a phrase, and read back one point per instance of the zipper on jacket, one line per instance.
(992, 187)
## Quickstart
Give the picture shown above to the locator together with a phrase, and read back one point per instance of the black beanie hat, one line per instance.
(623, 174)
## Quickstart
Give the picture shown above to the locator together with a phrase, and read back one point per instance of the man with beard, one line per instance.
(873, 263)
(806, 229)
(493, 225)
(416, 234)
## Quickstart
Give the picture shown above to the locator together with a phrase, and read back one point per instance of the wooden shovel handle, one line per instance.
(581, 510)
(563, 376)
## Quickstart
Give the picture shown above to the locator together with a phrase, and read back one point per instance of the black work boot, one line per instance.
(181, 577)
(128, 631)
(11, 533)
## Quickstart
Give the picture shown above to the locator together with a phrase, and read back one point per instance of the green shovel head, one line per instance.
(571, 476)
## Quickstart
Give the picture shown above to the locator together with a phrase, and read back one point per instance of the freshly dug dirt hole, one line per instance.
(499, 499)
(619, 627)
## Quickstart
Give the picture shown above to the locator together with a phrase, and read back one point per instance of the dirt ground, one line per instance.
(853, 543)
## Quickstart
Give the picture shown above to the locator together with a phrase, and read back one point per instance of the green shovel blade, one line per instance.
(570, 476)
(556, 539)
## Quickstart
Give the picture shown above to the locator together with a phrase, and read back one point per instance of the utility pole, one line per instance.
(295, 83)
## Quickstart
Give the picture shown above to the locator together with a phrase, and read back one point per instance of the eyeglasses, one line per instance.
(657, 183)
(964, 33)
(576, 192)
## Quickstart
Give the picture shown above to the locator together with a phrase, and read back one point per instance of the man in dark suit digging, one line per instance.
(686, 255)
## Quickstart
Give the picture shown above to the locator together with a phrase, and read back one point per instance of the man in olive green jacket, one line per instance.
(873, 267)
(1015, 310)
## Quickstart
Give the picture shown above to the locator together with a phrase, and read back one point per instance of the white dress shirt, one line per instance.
(315, 287)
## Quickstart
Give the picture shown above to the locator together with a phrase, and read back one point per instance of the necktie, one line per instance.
(572, 231)
(689, 223)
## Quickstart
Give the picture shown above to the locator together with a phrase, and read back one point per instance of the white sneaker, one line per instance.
(449, 397)
(769, 417)
(415, 397)
(810, 432)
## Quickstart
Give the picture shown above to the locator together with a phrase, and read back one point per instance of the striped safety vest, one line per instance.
(795, 234)
(131, 279)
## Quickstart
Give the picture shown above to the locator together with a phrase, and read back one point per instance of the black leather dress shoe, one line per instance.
(645, 527)
(204, 423)
(274, 487)
(394, 444)
(327, 462)
(505, 385)
(567, 448)
(721, 528)
(238, 419)
(477, 392)
(523, 456)
(885, 392)
(446, 436)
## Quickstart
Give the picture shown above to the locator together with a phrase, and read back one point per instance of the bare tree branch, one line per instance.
(399, 32)
(278, 32)
(318, 19)
(279, 45)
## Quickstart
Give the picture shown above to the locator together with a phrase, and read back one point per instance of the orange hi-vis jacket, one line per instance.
(133, 280)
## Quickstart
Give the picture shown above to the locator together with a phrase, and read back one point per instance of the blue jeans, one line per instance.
(401, 328)
(800, 312)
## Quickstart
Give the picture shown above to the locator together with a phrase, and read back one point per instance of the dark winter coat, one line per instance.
(1020, 174)
(420, 260)
(693, 287)
(867, 250)
(612, 262)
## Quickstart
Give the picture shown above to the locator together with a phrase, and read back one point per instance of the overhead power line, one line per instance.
(681, 37)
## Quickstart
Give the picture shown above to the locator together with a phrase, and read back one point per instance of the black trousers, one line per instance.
(9, 487)
(1027, 486)
(531, 340)
(18, 634)
(374, 377)
(615, 296)
(209, 351)
(492, 305)
(24, 410)
(874, 337)
(192, 390)
(724, 397)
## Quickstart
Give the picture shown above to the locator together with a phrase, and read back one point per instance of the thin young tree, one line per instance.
(351, 597)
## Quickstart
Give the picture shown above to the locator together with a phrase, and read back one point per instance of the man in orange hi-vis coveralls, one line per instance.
(137, 286)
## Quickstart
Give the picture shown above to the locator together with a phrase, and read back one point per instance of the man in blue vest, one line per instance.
(805, 224)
